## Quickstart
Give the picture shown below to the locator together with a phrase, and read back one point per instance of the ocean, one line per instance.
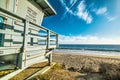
(108, 50)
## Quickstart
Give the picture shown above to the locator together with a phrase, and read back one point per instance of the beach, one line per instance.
(100, 67)
(76, 66)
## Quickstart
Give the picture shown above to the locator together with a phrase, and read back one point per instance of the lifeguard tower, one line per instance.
(23, 40)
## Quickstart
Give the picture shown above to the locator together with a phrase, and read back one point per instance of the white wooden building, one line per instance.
(23, 40)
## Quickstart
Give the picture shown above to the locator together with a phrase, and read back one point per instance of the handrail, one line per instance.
(16, 16)
(43, 28)
(11, 14)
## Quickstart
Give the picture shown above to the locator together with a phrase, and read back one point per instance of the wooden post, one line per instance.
(25, 35)
(48, 39)
(57, 40)
(50, 59)
(48, 45)
(24, 46)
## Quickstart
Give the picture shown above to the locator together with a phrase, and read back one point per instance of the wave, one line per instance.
(113, 48)
(93, 52)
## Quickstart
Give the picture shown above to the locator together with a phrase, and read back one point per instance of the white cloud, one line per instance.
(87, 40)
(72, 3)
(83, 13)
(111, 18)
(63, 3)
(102, 10)
(79, 11)
(68, 10)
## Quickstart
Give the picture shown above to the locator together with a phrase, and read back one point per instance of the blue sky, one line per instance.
(85, 21)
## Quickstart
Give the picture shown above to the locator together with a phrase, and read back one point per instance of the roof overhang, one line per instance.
(46, 7)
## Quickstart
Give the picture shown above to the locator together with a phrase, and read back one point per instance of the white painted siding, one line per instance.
(3, 4)
(22, 10)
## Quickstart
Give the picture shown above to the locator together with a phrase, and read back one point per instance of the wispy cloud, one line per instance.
(111, 18)
(72, 3)
(102, 10)
(80, 10)
(68, 9)
(87, 40)
(83, 13)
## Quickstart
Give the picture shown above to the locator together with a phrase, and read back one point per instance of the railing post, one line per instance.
(57, 40)
(48, 46)
(48, 39)
(50, 59)
(22, 55)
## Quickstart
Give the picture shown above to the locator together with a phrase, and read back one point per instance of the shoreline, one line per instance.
(90, 55)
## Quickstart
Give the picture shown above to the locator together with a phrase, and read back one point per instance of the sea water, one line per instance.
(108, 50)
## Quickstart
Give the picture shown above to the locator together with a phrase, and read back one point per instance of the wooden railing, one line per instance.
(24, 40)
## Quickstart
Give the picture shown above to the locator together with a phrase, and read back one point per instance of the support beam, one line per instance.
(23, 49)
(57, 45)
(50, 59)
(48, 39)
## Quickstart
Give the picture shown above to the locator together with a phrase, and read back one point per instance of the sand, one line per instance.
(78, 67)
(93, 65)
(78, 60)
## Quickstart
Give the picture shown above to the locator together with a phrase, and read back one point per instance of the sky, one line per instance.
(85, 21)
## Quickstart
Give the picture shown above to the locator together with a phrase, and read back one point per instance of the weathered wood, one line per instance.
(10, 47)
(24, 46)
(38, 37)
(57, 40)
(9, 51)
(45, 69)
(21, 24)
(48, 39)
(50, 52)
(7, 77)
(50, 58)
(9, 32)
(33, 48)
(10, 15)
(22, 37)
(10, 75)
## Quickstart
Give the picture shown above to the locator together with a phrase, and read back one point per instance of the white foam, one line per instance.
(106, 53)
